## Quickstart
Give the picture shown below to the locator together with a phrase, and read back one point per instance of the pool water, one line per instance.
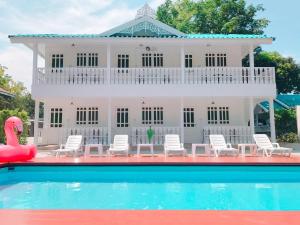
(151, 187)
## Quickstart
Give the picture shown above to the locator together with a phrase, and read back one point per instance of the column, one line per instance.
(251, 62)
(272, 119)
(182, 65)
(181, 120)
(109, 120)
(34, 62)
(36, 121)
(108, 63)
(251, 114)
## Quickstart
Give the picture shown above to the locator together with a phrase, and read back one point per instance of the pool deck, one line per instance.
(151, 217)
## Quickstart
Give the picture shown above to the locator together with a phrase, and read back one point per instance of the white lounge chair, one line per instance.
(268, 148)
(72, 145)
(172, 144)
(120, 145)
(219, 145)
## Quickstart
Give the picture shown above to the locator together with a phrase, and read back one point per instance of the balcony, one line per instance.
(201, 81)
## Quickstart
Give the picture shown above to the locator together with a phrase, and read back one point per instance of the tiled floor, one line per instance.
(145, 217)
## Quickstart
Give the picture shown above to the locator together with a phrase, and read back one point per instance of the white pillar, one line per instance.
(109, 120)
(36, 121)
(108, 63)
(34, 62)
(181, 120)
(251, 114)
(251, 62)
(182, 64)
(298, 119)
(272, 119)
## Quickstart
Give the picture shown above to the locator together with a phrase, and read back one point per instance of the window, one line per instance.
(56, 117)
(155, 60)
(217, 115)
(224, 115)
(123, 61)
(188, 61)
(188, 117)
(221, 60)
(212, 115)
(84, 59)
(158, 60)
(158, 115)
(57, 61)
(152, 115)
(210, 60)
(87, 115)
(122, 117)
(146, 115)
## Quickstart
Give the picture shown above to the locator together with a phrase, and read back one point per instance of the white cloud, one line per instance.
(56, 16)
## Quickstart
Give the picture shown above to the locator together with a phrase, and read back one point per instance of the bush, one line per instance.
(5, 114)
(285, 121)
(289, 138)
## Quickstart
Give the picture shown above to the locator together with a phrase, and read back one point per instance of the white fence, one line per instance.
(154, 76)
(232, 134)
(139, 134)
(91, 135)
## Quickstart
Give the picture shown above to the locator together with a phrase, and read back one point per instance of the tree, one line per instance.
(213, 16)
(287, 70)
(285, 121)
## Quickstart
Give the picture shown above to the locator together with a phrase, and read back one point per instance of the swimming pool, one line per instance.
(151, 187)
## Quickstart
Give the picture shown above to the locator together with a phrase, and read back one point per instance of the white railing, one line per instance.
(71, 76)
(145, 76)
(229, 75)
(154, 76)
(232, 134)
(139, 134)
(91, 135)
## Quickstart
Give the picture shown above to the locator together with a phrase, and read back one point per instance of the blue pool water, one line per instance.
(151, 187)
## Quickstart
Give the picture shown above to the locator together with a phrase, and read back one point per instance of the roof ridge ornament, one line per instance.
(146, 10)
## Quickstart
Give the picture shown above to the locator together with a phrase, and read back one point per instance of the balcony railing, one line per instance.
(154, 76)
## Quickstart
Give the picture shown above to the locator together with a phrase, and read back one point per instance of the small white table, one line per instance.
(149, 146)
(252, 148)
(88, 147)
(205, 146)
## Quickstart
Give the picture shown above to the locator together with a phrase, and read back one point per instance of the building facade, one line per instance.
(145, 73)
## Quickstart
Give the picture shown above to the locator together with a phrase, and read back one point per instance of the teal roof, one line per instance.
(185, 36)
(283, 101)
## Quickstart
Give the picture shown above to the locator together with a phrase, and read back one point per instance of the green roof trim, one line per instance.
(283, 101)
(186, 36)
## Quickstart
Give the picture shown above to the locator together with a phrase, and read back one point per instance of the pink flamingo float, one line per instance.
(13, 151)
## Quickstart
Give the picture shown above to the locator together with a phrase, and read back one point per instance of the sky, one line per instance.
(96, 16)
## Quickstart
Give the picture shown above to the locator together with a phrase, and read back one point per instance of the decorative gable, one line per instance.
(144, 25)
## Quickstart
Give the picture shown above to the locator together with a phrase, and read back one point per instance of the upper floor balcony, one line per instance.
(195, 81)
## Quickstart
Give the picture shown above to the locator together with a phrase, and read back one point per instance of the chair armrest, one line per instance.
(229, 145)
(276, 145)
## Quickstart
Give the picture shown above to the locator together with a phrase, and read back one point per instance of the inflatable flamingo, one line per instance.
(13, 151)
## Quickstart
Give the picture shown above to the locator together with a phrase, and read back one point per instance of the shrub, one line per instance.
(5, 114)
(289, 138)
(286, 122)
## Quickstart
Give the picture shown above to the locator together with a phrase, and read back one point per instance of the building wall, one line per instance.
(171, 54)
(238, 114)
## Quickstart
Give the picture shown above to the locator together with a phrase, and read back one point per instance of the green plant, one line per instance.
(285, 121)
(289, 138)
(6, 113)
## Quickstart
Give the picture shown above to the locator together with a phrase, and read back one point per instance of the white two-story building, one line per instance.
(145, 73)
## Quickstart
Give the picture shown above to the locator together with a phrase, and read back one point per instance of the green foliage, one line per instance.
(289, 138)
(4, 114)
(213, 16)
(286, 121)
(287, 70)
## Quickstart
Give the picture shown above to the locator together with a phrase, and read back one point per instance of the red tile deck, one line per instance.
(150, 217)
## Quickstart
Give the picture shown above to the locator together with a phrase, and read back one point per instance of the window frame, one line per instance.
(56, 117)
(122, 117)
(189, 117)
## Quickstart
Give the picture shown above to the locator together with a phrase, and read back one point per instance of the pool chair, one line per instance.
(219, 145)
(73, 145)
(268, 148)
(120, 145)
(172, 145)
